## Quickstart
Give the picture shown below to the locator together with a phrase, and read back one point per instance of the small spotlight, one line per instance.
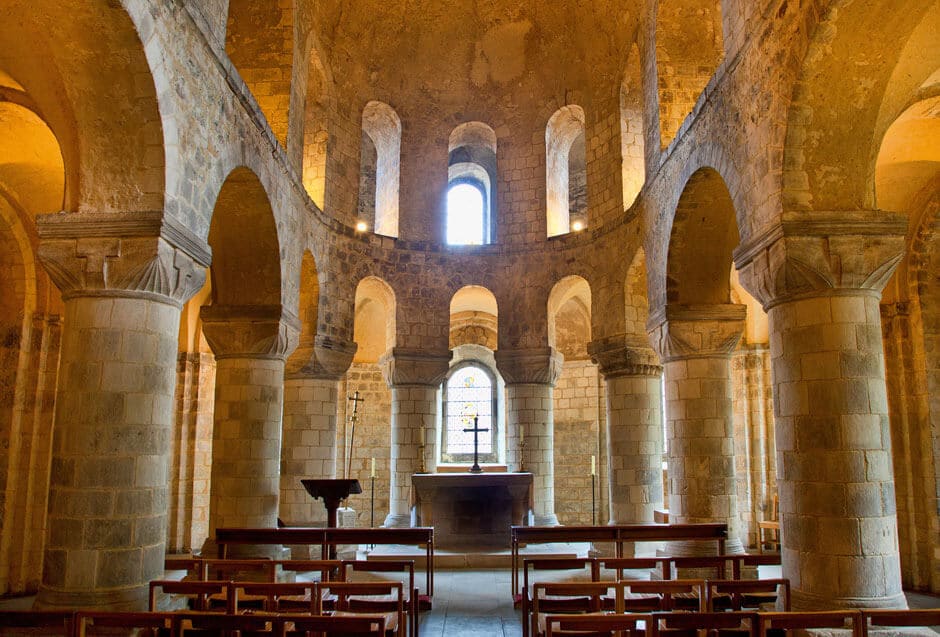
(577, 226)
(361, 226)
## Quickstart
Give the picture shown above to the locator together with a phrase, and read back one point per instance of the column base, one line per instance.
(133, 598)
(549, 519)
(398, 521)
(801, 601)
(733, 546)
(210, 550)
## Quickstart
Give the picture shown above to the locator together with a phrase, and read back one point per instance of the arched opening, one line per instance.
(632, 130)
(566, 171)
(379, 175)
(577, 405)
(317, 113)
(259, 39)
(471, 185)
(473, 386)
(704, 235)
(374, 334)
(32, 181)
(191, 452)
(246, 261)
(689, 48)
(907, 180)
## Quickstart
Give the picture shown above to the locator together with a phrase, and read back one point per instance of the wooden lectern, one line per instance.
(333, 492)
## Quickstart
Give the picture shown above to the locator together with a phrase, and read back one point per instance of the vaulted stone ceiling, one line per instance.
(454, 53)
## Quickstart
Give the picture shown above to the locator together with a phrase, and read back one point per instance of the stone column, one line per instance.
(695, 344)
(308, 450)
(250, 346)
(124, 278)
(414, 377)
(530, 376)
(819, 276)
(632, 375)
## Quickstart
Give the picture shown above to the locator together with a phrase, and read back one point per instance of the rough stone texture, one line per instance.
(578, 428)
(108, 495)
(837, 507)
(191, 455)
(699, 419)
(137, 107)
(308, 446)
(754, 444)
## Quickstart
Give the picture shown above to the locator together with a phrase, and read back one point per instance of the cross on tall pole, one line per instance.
(353, 418)
(476, 445)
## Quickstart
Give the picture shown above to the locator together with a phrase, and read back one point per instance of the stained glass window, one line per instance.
(468, 395)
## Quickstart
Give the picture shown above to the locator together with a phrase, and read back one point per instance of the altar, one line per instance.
(471, 509)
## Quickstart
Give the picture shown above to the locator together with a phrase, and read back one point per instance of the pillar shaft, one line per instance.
(414, 377)
(115, 405)
(530, 377)
(820, 276)
(246, 443)
(414, 410)
(635, 436)
(696, 345)
(837, 506)
(251, 345)
(632, 372)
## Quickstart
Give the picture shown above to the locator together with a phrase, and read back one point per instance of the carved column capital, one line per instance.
(328, 359)
(536, 366)
(624, 355)
(139, 255)
(697, 331)
(405, 366)
(822, 254)
(256, 331)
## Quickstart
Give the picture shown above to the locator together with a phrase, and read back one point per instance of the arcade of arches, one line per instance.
(712, 245)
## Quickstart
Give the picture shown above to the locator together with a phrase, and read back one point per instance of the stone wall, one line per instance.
(579, 412)
(372, 438)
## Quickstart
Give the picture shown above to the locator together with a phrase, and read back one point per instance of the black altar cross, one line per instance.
(476, 445)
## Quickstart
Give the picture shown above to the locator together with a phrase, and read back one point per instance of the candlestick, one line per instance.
(372, 475)
(593, 466)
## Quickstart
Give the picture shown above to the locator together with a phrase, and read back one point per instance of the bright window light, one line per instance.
(464, 215)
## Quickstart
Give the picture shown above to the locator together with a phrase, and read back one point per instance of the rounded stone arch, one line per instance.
(474, 318)
(909, 156)
(569, 317)
(703, 237)
(380, 172)
(864, 64)
(308, 308)
(565, 167)
(246, 254)
(259, 39)
(472, 159)
(101, 105)
(374, 323)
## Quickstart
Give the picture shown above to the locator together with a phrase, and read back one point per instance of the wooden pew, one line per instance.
(326, 537)
(618, 534)
(36, 622)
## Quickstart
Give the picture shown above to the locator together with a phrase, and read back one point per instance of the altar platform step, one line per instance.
(482, 557)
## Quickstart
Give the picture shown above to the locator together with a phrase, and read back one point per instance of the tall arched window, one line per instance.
(565, 171)
(471, 185)
(469, 393)
(380, 168)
